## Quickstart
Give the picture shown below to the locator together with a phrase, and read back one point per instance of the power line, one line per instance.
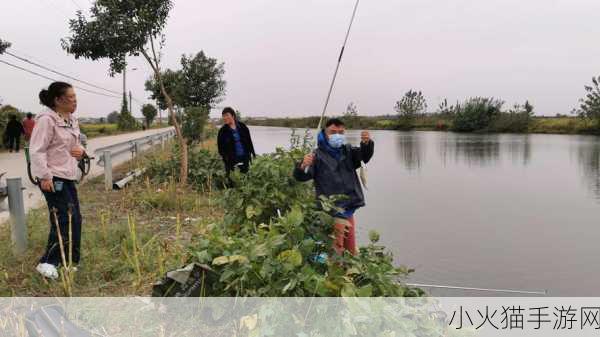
(61, 74)
(21, 52)
(54, 80)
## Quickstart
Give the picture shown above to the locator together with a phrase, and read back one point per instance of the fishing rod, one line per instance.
(508, 291)
(339, 62)
(335, 73)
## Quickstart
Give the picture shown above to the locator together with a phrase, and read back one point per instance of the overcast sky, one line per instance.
(280, 54)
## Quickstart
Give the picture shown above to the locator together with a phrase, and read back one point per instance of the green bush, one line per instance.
(205, 169)
(194, 122)
(514, 122)
(476, 114)
(271, 234)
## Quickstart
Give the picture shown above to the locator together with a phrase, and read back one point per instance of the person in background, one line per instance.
(235, 143)
(333, 167)
(55, 148)
(28, 124)
(14, 130)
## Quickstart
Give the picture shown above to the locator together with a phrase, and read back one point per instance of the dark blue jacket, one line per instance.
(335, 177)
(226, 143)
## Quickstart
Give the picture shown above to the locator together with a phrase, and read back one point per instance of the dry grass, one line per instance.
(129, 239)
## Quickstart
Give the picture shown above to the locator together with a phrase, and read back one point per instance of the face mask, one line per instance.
(337, 140)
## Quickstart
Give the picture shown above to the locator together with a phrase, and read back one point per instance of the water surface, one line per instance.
(487, 211)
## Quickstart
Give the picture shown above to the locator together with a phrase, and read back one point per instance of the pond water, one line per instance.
(486, 211)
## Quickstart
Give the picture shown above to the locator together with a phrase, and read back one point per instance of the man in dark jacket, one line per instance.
(235, 143)
(333, 167)
(14, 130)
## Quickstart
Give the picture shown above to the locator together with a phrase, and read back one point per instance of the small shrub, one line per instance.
(272, 233)
(476, 114)
(205, 168)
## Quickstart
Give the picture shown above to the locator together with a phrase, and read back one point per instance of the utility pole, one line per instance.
(130, 106)
(124, 80)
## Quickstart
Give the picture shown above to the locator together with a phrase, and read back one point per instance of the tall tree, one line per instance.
(126, 120)
(117, 29)
(411, 104)
(150, 112)
(528, 108)
(199, 82)
(194, 121)
(202, 79)
(4, 45)
(112, 117)
(172, 83)
(590, 104)
(351, 110)
(351, 115)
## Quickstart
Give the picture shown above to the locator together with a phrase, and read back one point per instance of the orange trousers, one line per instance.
(345, 235)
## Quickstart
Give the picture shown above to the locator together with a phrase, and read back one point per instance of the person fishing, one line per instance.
(55, 148)
(14, 130)
(333, 167)
(235, 144)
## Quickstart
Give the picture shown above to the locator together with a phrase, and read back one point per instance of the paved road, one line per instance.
(15, 166)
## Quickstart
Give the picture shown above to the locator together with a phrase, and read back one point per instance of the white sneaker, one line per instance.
(47, 270)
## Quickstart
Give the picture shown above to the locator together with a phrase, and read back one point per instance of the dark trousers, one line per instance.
(242, 164)
(14, 142)
(63, 203)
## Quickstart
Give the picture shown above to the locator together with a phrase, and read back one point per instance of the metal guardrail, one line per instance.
(13, 190)
(132, 146)
(3, 189)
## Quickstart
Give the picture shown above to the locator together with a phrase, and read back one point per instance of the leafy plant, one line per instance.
(274, 237)
(351, 115)
(516, 120)
(206, 170)
(126, 120)
(412, 104)
(590, 104)
(112, 117)
(476, 114)
(117, 29)
(194, 121)
(4, 45)
(149, 112)
(199, 82)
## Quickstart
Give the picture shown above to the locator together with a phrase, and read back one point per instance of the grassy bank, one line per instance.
(549, 125)
(130, 238)
(265, 237)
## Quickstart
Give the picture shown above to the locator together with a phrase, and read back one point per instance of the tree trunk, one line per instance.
(183, 173)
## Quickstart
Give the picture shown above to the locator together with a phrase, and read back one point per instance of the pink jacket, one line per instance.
(50, 146)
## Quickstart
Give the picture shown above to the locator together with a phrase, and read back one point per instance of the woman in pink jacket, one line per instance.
(55, 149)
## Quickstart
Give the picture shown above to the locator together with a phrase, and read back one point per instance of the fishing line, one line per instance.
(335, 73)
(337, 67)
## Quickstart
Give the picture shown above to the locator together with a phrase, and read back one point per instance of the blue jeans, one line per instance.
(63, 203)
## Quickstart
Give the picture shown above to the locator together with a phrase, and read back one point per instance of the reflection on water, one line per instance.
(486, 211)
(411, 150)
(520, 149)
(474, 150)
(589, 161)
